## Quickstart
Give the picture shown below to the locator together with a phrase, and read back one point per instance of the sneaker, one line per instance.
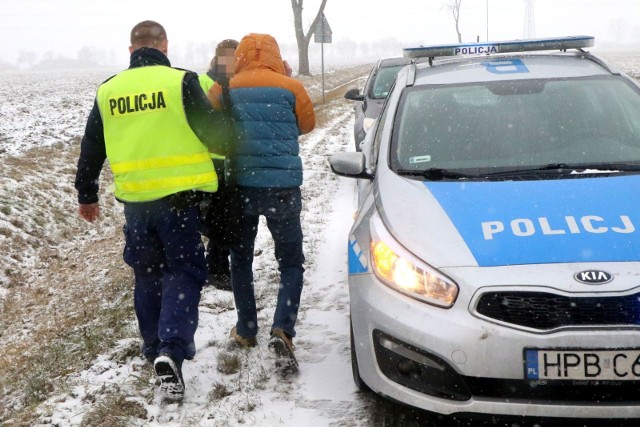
(219, 281)
(170, 374)
(242, 341)
(282, 345)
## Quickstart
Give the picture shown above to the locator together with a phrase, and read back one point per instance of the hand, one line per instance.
(89, 212)
(287, 68)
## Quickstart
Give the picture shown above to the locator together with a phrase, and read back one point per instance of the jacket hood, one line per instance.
(258, 51)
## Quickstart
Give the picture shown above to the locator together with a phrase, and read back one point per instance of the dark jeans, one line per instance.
(217, 258)
(281, 208)
(164, 248)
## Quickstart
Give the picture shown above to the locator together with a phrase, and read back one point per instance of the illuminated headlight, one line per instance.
(367, 123)
(412, 278)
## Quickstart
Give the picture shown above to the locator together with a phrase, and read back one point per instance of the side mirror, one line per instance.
(350, 164)
(354, 95)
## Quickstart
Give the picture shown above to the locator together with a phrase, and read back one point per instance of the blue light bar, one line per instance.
(556, 43)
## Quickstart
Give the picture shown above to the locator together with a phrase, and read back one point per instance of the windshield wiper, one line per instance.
(434, 174)
(563, 168)
(557, 167)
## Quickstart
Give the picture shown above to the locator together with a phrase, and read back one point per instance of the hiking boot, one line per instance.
(219, 281)
(170, 373)
(242, 341)
(282, 345)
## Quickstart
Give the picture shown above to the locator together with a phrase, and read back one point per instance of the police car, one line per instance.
(370, 101)
(494, 262)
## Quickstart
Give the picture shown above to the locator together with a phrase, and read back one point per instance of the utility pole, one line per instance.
(322, 34)
(487, 21)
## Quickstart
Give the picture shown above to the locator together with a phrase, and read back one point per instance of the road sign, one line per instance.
(322, 33)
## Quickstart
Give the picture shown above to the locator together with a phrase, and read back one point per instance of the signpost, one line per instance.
(322, 34)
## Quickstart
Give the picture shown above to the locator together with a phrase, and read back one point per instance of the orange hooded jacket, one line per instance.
(271, 111)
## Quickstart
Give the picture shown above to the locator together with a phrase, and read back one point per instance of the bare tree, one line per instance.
(302, 38)
(454, 7)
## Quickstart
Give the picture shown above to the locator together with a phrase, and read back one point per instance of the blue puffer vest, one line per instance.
(266, 154)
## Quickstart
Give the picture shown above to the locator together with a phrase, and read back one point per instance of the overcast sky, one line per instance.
(62, 27)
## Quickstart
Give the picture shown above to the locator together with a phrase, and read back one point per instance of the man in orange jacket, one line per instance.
(271, 111)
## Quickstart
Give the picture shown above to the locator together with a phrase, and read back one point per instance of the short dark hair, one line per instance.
(228, 44)
(148, 34)
(224, 44)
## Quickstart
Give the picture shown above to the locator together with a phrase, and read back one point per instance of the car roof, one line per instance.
(482, 68)
(542, 58)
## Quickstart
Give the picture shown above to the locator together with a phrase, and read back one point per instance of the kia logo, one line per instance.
(593, 277)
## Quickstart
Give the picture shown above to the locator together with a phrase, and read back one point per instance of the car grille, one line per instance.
(579, 392)
(546, 311)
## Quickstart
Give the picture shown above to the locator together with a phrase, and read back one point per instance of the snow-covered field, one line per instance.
(67, 327)
(55, 267)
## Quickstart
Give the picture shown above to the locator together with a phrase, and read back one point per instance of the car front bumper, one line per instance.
(449, 361)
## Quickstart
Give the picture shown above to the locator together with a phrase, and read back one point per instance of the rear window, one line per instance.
(517, 123)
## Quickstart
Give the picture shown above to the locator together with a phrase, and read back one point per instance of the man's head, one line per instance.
(223, 64)
(148, 34)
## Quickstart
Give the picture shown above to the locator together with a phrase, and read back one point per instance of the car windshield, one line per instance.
(517, 124)
(384, 80)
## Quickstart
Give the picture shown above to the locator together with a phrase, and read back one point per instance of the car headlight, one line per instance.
(410, 277)
(367, 123)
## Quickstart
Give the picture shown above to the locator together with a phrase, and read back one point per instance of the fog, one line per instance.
(42, 34)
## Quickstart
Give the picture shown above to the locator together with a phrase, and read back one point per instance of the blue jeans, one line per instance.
(164, 248)
(281, 208)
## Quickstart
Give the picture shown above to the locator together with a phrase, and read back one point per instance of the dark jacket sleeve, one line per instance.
(92, 156)
(213, 128)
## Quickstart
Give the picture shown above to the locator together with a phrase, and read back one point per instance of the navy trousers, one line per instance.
(281, 208)
(164, 248)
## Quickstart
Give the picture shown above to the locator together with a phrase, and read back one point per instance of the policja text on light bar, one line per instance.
(555, 43)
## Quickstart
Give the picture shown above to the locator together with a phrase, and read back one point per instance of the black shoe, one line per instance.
(170, 374)
(219, 281)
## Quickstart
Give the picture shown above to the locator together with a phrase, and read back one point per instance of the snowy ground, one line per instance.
(322, 394)
(57, 270)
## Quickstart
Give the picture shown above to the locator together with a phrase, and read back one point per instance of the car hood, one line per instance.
(485, 224)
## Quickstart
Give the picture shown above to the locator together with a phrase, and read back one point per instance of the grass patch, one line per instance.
(229, 363)
(114, 411)
(68, 328)
(219, 392)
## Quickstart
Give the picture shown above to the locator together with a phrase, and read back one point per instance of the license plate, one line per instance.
(589, 365)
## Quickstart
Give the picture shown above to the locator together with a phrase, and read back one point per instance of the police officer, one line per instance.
(155, 125)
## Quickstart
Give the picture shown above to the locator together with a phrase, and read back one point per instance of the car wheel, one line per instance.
(355, 370)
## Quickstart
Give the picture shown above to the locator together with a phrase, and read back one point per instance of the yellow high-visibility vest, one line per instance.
(152, 150)
(205, 83)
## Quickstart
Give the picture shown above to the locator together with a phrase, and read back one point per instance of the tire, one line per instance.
(355, 370)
